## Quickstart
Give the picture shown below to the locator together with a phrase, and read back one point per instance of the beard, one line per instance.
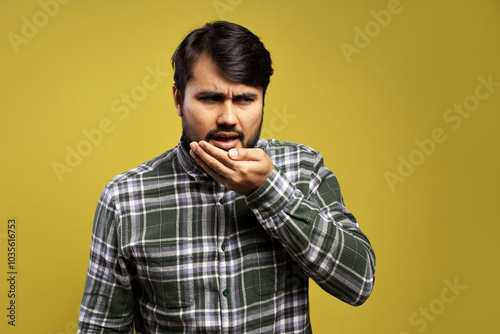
(189, 135)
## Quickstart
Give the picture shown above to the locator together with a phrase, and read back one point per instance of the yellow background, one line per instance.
(364, 111)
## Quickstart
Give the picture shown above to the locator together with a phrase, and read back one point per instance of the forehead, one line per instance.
(206, 75)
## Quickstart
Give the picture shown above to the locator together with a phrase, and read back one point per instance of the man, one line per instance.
(221, 233)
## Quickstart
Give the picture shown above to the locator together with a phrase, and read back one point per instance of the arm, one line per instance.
(307, 216)
(108, 302)
(318, 231)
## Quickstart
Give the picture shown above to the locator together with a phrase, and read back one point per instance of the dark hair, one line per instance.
(240, 54)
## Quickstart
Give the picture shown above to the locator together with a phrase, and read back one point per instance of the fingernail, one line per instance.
(193, 146)
(233, 153)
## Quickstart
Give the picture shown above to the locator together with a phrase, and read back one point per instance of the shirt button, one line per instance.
(222, 201)
(225, 293)
(223, 247)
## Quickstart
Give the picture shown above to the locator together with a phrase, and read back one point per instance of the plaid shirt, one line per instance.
(173, 251)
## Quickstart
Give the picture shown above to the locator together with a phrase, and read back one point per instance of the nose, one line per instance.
(227, 115)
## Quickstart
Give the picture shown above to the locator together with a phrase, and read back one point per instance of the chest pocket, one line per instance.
(164, 272)
(265, 258)
(272, 259)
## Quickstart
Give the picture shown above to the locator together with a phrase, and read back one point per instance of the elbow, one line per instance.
(352, 291)
(364, 287)
(360, 284)
(363, 295)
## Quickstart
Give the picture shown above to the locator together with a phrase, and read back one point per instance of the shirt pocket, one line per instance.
(269, 273)
(166, 275)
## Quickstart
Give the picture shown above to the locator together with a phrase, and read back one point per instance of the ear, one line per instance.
(177, 99)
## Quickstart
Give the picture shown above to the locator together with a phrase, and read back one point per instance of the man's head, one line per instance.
(222, 71)
(239, 54)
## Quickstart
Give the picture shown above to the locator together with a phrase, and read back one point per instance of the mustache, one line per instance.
(225, 128)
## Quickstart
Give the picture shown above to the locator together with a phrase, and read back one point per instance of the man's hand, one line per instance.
(240, 169)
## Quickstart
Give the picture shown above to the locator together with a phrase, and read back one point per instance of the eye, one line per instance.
(210, 99)
(244, 100)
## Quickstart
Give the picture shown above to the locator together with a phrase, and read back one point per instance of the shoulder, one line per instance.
(142, 171)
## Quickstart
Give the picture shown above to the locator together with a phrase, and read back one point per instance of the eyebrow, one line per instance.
(211, 93)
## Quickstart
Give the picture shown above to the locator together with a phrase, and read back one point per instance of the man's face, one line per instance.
(224, 113)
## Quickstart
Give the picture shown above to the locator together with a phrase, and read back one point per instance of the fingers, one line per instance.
(242, 170)
(212, 160)
(246, 154)
(211, 155)
(209, 151)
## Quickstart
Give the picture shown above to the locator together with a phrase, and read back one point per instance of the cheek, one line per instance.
(253, 121)
(195, 118)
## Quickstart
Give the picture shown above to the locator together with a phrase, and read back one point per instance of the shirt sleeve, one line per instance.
(108, 303)
(317, 230)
